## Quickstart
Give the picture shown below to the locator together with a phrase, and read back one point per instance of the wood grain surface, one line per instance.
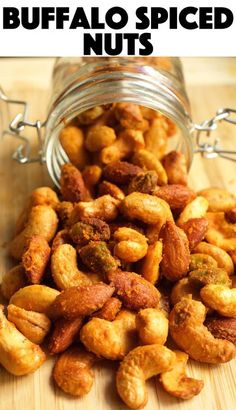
(37, 392)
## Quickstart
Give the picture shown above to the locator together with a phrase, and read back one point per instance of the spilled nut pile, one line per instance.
(123, 257)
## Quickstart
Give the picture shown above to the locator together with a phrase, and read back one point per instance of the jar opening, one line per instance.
(101, 86)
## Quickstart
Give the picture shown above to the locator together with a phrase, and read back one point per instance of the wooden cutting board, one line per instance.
(37, 392)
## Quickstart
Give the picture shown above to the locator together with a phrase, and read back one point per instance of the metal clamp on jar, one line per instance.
(79, 84)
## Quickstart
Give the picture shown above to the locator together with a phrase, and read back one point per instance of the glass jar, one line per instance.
(80, 84)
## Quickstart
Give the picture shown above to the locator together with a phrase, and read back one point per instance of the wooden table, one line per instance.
(29, 79)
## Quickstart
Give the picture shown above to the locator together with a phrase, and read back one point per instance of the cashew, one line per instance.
(72, 371)
(91, 175)
(219, 199)
(150, 114)
(61, 238)
(156, 138)
(42, 221)
(98, 137)
(18, 355)
(153, 231)
(72, 141)
(146, 208)
(12, 281)
(184, 289)
(134, 138)
(105, 207)
(220, 232)
(112, 340)
(35, 297)
(120, 149)
(63, 210)
(148, 161)
(152, 326)
(129, 115)
(138, 366)
(64, 268)
(195, 209)
(187, 329)
(201, 260)
(130, 244)
(220, 298)
(39, 196)
(175, 167)
(176, 382)
(107, 188)
(150, 265)
(33, 325)
(222, 258)
(89, 116)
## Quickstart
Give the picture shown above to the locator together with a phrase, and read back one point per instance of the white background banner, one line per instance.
(148, 37)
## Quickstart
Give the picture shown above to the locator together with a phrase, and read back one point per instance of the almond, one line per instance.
(72, 184)
(195, 230)
(134, 291)
(121, 172)
(176, 195)
(222, 328)
(80, 300)
(64, 334)
(231, 215)
(35, 258)
(109, 310)
(176, 255)
(233, 257)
